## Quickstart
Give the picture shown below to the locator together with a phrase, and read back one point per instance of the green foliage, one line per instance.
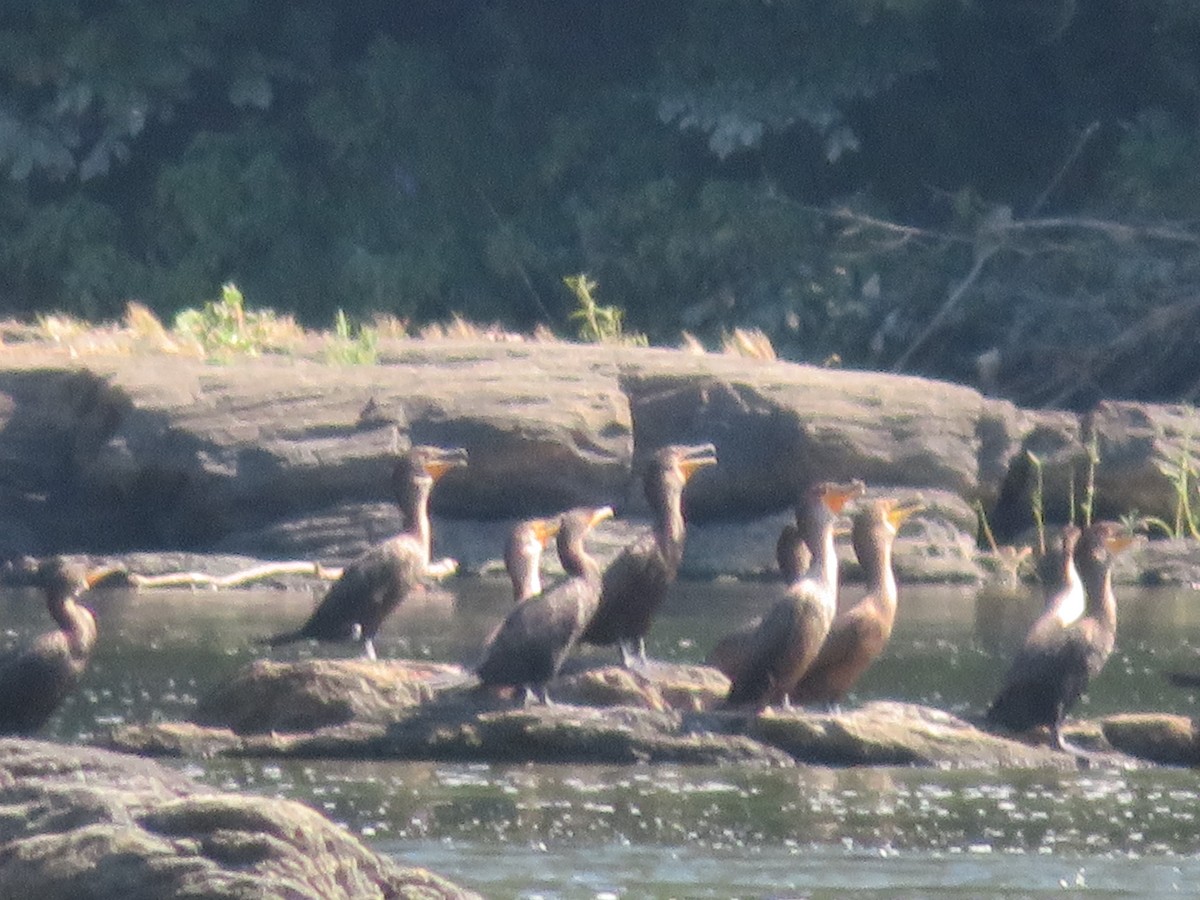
(1158, 165)
(350, 345)
(1184, 480)
(224, 328)
(1037, 499)
(596, 323)
(694, 161)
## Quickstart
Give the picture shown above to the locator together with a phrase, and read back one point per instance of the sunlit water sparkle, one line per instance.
(671, 831)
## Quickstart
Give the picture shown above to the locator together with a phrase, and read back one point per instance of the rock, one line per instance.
(1144, 451)
(782, 426)
(567, 734)
(266, 696)
(1156, 737)
(602, 714)
(281, 457)
(892, 734)
(81, 823)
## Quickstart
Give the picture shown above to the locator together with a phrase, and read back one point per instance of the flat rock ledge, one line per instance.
(602, 714)
(77, 823)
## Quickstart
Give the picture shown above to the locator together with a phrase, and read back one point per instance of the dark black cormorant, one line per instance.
(374, 583)
(529, 647)
(636, 582)
(34, 680)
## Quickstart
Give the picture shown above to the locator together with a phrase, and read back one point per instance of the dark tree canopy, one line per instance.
(934, 185)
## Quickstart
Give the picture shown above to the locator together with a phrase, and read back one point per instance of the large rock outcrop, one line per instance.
(85, 824)
(288, 457)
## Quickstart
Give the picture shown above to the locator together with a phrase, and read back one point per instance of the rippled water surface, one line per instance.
(669, 831)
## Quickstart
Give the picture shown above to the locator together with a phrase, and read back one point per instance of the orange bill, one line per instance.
(898, 512)
(836, 496)
(444, 461)
(103, 573)
(694, 458)
(545, 530)
(600, 514)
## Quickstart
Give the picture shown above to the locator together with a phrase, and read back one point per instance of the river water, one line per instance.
(673, 831)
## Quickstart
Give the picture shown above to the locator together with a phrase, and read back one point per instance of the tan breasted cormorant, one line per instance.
(1060, 655)
(787, 641)
(636, 582)
(523, 555)
(857, 636)
(374, 583)
(530, 645)
(792, 555)
(34, 680)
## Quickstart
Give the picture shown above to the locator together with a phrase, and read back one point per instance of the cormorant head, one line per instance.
(576, 523)
(1100, 542)
(673, 465)
(420, 468)
(879, 521)
(60, 578)
(821, 505)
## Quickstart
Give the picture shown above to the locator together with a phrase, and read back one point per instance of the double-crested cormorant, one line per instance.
(857, 637)
(1061, 655)
(729, 654)
(523, 555)
(374, 584)
(36, 679)
(787, 641)
(636, 582)
(529, 647)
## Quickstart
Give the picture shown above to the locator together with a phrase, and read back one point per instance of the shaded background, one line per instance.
(1003, 192)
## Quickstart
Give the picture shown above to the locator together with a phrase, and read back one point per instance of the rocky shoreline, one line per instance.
(170, 465)
(286, 458)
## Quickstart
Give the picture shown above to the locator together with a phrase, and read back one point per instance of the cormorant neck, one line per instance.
(75, 622)
(527, 581)
(1101, 602)
(669, 528)
(416, 517)
(576, 561)
(824, 565)
(1071, 600)
(875, 557)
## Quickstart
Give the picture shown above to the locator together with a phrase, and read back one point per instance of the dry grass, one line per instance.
(140, 331)
(751, 343)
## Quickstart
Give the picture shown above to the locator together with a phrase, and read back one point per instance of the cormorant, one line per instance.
(729, 654)
(787, 641)
(374, 584)
(636, 582)
(34, 680)
(857, 637)
(1061, 655)
(530, 645)
(523, 555)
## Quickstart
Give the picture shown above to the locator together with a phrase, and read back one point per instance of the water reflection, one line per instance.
(681, 831)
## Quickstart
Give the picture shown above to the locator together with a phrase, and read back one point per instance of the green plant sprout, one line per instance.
(598, 324)
(1036, 500)
(1088, 506)
(224, 327)
(1008, 559)
(1182, 476)
(351, 346)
